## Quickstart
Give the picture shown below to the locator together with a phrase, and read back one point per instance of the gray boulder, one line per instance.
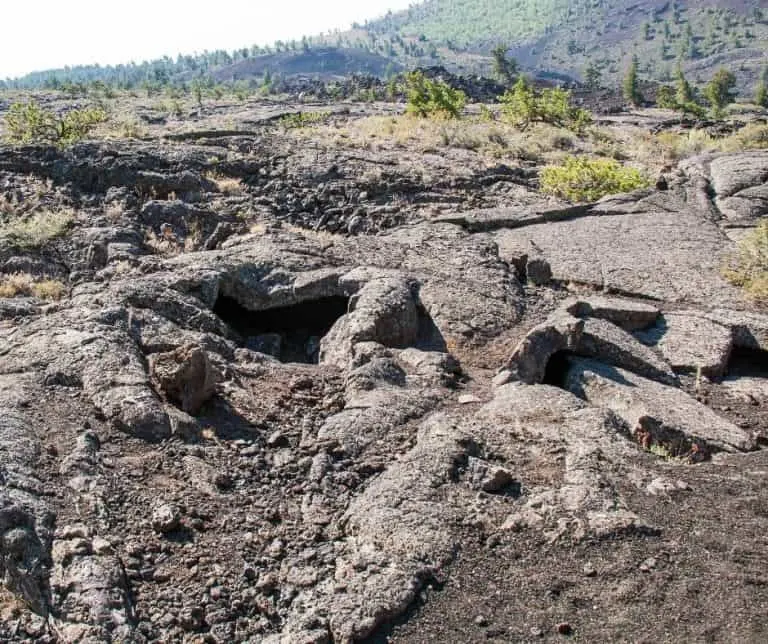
(672, 417)
(600, 250)
(528, 362)
(628, 314)
(185, 376)
(690, 342)
(384, 311)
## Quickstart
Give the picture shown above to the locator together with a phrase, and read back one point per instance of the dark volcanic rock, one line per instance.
(264, 407)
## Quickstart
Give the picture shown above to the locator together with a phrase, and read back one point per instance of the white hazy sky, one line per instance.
(45, 34)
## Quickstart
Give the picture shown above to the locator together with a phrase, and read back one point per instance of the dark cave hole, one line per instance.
(748, 363)
(289, 333)
(557, 369)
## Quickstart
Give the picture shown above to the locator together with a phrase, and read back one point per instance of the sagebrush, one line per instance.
(584, 179)
(748, 267)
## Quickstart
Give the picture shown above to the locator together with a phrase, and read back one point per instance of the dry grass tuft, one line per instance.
(194, 239)
(125, 128)
(114, 212)
(166, 244)
(24, 284)
(748, 268)
(229, 186)
(751, 137)
(493, 140)
(37, 229)
(680, 145)
(11, 607)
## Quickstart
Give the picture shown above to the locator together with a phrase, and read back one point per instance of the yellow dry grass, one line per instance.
(229, 186)
(487, 137)
(37, 229)
(674, 146)
(24, 284)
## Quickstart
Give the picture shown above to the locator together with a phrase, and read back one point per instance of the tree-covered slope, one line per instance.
(568, 35)
(560, 39)
(469, 22)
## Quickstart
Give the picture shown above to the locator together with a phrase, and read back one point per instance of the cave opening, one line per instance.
(289, 333)
(747, 363)
(557, 369)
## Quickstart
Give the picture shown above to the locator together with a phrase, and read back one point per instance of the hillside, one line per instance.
(322, 62)
(549, 38)
(565, 36)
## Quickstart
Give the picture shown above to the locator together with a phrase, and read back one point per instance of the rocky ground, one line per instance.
(299, 389)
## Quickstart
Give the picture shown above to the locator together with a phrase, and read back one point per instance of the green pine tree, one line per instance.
(592, 76)
(761, 95)
(684, 90)
(504, 68)
(631, 84)
(720, 91)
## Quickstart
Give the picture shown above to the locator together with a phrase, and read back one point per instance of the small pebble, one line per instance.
(648, 565)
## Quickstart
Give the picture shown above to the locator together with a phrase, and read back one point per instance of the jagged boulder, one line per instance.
(739, 182)
(690, 342)
(595, 338)
(384, 311)
(671, 416)
(628, 314)
(528, 362)
(185, 376)
(26, 521)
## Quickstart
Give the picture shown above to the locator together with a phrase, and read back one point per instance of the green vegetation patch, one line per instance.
(304, 119)
(28, 122)
(748, 268)
(472, 21)
(583, 179)
(523, 105)
(433, 98)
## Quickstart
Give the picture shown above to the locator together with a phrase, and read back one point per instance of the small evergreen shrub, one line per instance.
(721, 90)
(583, 179)
(691, 108)
(680, 100)
(30, 123)
(523, 105)
(631, 85)
(303, 119)
(761, 95)
(748, 268)
(665, 98)
(432, 98)
(77, 124)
